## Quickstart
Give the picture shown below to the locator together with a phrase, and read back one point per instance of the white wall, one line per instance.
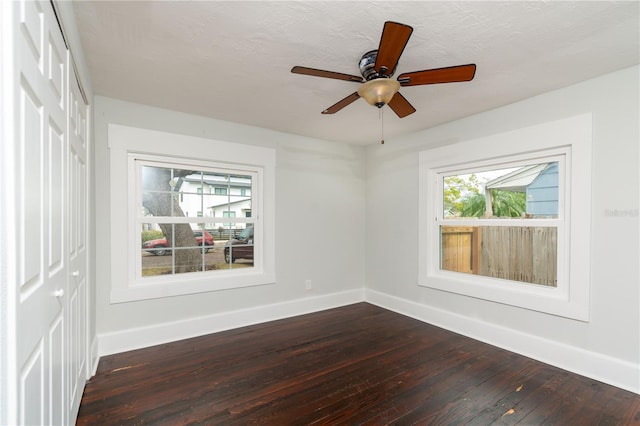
(612, 336)
(320, 189)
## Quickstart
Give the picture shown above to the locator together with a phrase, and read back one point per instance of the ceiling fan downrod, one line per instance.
(381, 127)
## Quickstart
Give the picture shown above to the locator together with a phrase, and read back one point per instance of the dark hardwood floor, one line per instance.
(353, 365)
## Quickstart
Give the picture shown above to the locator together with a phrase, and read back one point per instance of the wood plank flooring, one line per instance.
(354, 365)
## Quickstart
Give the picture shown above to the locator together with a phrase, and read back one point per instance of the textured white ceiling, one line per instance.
(231, 60)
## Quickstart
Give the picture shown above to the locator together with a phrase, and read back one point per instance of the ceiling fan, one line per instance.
(378, 66)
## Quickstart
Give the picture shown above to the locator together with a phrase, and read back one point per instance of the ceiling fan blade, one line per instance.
(392, 42)
(327, 74)
(341, 104)
(438, 75)
(401, 106)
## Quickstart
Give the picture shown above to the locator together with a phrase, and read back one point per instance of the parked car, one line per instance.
(157, 247)
(241, 247)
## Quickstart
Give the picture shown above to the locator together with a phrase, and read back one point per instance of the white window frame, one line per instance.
(568, 141)
(127, 144)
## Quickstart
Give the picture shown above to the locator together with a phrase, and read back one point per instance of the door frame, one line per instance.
(8, 269)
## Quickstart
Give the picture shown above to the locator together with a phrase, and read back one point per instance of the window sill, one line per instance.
(550, 300)
(182, 285)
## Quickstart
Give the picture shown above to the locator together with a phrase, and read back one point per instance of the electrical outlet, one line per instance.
(308, 285)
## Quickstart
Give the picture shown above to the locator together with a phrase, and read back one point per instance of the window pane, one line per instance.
(176, 248)
(162, 191)
(517, 253)
(189, 204)
(195, 248)
(239, 248)
(529, 191)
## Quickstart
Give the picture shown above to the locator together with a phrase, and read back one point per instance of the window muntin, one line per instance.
(187, 245)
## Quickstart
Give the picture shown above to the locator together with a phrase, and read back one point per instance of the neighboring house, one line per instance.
(215, 196)
(539, 182)
(240, 208)
(542, 193)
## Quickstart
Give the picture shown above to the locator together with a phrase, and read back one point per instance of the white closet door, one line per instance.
(77, 311)
(42, 209)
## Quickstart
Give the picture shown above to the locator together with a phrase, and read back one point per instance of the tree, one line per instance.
(160, 200)
(508, 203)
(504, 204)
(473, 206)
(456, 190)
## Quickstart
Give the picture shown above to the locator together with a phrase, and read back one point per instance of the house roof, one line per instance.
(244, 200)
(517, 180)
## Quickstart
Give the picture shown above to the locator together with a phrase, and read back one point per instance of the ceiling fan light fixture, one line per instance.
(379, 91)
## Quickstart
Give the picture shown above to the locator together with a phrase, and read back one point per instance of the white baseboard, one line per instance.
(136, 338)
(613, 371)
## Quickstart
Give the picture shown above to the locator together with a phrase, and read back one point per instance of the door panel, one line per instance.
(57, 389)
(31, 24)
(56, 71)
(32, 410)
(31, 113)
(56, 225)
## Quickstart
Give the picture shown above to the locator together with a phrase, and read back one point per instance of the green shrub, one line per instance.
(151, 235)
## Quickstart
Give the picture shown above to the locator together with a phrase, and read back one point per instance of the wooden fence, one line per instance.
(519, 253)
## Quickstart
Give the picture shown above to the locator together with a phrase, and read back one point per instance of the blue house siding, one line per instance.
(542, 193)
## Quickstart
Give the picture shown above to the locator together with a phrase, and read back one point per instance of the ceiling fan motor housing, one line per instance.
(367, 65)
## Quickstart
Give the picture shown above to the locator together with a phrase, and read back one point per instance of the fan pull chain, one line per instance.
(381, 127)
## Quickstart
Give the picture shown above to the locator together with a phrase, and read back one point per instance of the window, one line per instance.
(506, 218)
(169, 252)
(220, 191)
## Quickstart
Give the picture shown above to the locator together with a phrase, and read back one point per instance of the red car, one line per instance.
(159, 247)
